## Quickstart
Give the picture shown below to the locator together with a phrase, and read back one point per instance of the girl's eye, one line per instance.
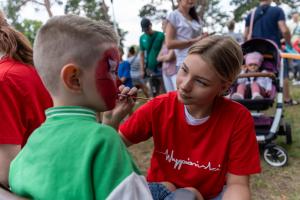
(200, 82)
(184, 69)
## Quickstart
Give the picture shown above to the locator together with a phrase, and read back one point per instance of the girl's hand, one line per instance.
(124, 105)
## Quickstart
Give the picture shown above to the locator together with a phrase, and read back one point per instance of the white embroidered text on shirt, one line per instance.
(179, 162)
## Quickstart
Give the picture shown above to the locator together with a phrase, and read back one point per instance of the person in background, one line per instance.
(23, 96)
(294, 27)
(71, 155)
(168, 58)
(124, 70)
(237, 36)
(269, 23)
(137, 71)
(203, 141)
(150, 44)
(260, 87)
(183, 29)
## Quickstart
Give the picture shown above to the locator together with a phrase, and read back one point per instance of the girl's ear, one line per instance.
(70, 76)
(225, 89)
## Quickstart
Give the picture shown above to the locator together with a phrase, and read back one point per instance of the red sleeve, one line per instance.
(138, 127)
(244, 154)
(11, 124)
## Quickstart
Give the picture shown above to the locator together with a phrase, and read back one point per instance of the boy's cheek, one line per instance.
(107, 90)
(106, 82)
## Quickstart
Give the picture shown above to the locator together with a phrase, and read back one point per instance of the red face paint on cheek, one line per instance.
(106, 77)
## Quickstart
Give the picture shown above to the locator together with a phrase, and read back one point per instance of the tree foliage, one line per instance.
(243, 6)
(94, 9)
(27, 27)
(209, 11)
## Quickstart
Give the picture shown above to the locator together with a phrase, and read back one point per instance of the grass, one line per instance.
(273, 183)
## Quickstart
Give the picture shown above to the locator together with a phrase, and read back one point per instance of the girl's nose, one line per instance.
(187, 85)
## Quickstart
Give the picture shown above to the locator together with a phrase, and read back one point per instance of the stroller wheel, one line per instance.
(275, 156)
(288, 133)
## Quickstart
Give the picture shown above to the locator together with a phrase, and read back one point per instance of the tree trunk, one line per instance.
(104, 11)
(48, 8)
(203, 5)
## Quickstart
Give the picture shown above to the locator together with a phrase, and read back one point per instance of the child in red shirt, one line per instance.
(202, 141)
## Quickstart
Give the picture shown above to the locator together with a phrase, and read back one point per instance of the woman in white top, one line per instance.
(183, 29)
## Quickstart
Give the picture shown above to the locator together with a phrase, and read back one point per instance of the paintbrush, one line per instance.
(134, 97)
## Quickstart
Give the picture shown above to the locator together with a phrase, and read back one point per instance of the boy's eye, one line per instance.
(112, 65)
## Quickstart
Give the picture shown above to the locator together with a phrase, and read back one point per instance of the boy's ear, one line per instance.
(70, 77)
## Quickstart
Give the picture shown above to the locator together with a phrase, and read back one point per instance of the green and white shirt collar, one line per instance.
(70, 111)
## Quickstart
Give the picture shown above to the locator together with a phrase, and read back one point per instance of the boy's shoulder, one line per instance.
(84, 131)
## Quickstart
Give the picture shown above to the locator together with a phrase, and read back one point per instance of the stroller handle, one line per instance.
(257, 74)
(290, 56)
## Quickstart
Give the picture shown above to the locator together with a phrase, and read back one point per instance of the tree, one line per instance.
(243, 6)
(27, 27)
(94, 9)
(209, 12)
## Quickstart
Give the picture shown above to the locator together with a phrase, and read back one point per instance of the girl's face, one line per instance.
(187, 3)
(197, 82)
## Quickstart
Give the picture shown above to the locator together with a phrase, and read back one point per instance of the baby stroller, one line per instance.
(268, 127)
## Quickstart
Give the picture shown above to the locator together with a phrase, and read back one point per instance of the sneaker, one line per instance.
(237, 96)
(295, 82)
(257, 96)
(291, 102)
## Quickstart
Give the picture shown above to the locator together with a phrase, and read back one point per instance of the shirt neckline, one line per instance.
(70, 112)
(2, 55)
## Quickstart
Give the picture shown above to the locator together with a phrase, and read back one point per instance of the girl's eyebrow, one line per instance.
(196, 76)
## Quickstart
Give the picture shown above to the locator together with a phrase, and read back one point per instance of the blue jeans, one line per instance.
(161, 192)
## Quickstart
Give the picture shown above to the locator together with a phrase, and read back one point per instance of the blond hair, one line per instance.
(13, 43)
(222, 53)
(69, 39)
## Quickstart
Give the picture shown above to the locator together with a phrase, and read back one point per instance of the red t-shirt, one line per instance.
(198, 156)
(23, 99)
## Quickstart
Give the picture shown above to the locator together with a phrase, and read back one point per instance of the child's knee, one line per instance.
(197, 194)
(169, 185)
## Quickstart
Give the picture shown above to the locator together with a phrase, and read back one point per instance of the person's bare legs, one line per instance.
(286, 90)
(145, 90)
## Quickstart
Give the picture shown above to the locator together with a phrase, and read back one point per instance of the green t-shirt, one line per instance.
(71, 156)
(151, 45)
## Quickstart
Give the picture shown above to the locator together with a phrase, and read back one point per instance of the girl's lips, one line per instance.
(184, 96)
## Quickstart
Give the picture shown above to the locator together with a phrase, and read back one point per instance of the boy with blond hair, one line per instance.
(71, 156)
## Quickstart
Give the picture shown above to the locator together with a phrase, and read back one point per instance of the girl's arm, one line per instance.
(237, 188)
(172, 42)
(165, 58)
(7, 153)
(126, 142)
